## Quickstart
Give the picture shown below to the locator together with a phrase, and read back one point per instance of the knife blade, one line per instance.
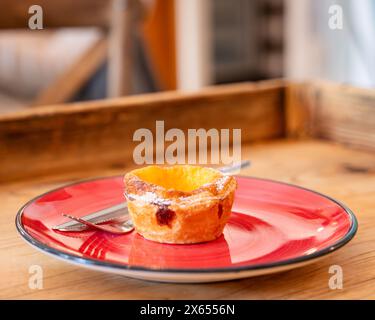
(117, 211)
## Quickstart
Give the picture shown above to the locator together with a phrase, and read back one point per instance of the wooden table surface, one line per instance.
(345, 174)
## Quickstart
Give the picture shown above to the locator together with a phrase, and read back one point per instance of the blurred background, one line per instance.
(94, 49)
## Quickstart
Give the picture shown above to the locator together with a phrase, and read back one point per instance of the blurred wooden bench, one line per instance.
(115, 18)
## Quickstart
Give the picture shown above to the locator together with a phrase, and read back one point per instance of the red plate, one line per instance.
(274, 226)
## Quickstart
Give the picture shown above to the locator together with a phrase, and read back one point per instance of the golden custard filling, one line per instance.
(179, 204)
(179, 178)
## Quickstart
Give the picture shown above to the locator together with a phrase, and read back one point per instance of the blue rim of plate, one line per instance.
(91, 262)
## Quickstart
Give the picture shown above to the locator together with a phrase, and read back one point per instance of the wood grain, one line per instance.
(345, 174)
(332, 111)
(53, 139)
(47, 147)
(298, 110)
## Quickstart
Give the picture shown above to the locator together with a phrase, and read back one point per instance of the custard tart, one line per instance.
(179, 204)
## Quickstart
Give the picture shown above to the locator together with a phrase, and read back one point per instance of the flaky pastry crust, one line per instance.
(179, 204)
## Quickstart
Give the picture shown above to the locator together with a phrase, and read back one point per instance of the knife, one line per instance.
(121, 210)
(117, 211)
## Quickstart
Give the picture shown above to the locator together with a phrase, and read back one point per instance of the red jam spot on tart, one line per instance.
(165, 216)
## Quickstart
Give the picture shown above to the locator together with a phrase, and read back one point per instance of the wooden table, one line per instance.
(325, 166)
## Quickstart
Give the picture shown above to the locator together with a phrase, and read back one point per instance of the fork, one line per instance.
(115, 227)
